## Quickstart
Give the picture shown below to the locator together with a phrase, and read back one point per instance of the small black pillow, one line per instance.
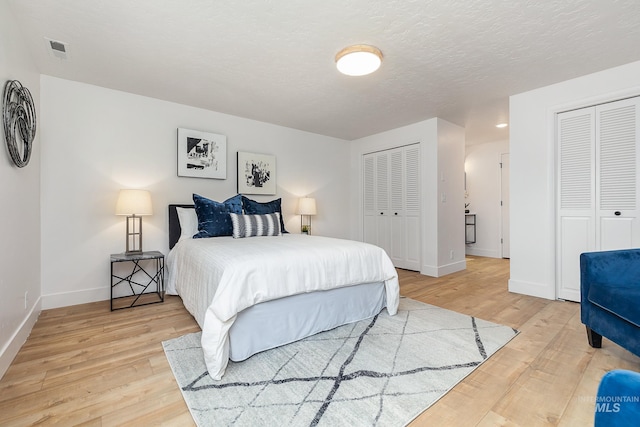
(251, 207)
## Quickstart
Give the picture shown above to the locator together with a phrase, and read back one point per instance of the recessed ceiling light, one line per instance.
(502, 125)
(358, 60)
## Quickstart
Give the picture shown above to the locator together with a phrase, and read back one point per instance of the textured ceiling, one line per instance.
(274, 60)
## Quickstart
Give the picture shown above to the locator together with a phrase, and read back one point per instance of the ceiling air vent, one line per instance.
(57, 48)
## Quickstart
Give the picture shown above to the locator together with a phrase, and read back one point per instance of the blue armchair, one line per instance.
(610, 297)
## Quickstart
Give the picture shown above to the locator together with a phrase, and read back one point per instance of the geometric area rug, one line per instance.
(382, 371)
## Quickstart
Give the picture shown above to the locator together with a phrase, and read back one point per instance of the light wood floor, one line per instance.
(84, 365)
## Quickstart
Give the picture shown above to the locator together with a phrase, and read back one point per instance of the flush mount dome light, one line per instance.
(358, 60)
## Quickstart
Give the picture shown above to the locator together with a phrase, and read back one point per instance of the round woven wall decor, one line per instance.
(19, 119)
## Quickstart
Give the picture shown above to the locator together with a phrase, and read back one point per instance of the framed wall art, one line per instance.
(256, 173)
(202, 154)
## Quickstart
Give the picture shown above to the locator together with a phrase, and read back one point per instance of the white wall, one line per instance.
(482, 165)
(442, 163)
(97, 141)
(450, 199)
(20, 218)
(532, 156)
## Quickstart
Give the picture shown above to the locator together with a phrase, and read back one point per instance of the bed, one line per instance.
(253, 294)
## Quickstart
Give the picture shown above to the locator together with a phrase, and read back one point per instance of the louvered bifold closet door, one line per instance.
(383, 223)
(396, 186)
(617, 219)
(412, 206)
(598, 186)
(576, 197)
(391, 203)
(369, 205)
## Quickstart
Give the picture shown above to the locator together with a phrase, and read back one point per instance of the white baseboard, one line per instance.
(541, 290)
(65, 299)
(10, 350)
(429, 270)
(454, 267)
(443, 270)
(488, 253)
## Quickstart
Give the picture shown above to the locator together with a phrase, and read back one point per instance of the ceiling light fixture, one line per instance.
(501, 125)
(358, 60)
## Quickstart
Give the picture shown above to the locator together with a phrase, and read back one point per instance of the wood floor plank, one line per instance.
(559, 367)
(85, 365)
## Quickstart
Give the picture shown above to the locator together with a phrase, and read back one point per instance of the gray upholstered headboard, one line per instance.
(174, 224)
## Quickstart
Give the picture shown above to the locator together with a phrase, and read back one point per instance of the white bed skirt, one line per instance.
(274, 323)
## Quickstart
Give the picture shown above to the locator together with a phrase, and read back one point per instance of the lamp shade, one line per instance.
(306, 206)
(134, 202)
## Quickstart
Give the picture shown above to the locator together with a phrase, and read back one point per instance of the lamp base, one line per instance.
(305, 228)
(134, 235)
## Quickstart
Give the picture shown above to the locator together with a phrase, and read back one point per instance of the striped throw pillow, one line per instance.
(256, 225)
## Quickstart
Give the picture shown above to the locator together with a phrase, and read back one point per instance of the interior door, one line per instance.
(396, 213)
(383, 224)
(617, 218)
(370, 231)
(412, 207)
(598, 186)
(391, 186)
(576, 198)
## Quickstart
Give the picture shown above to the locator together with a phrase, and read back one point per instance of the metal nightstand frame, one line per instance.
(157, 277)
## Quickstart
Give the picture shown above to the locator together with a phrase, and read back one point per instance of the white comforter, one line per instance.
(219, 277)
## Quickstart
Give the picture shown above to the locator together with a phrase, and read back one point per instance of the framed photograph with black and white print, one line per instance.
(202, 154)
(256, 173)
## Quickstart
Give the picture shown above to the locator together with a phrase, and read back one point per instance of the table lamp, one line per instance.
(134, 204)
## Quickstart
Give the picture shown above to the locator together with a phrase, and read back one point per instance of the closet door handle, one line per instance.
(381, 213)
(396, 213)
(617, 213)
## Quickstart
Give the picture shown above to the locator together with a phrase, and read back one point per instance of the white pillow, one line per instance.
(188, 222)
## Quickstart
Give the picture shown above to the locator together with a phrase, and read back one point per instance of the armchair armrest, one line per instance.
(611, 281)
(614, 268)
(610, 297)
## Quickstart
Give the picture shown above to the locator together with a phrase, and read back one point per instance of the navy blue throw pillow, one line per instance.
(213, 217)
(251, 207)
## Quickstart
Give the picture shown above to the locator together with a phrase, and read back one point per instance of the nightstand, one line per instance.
(143, 278)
